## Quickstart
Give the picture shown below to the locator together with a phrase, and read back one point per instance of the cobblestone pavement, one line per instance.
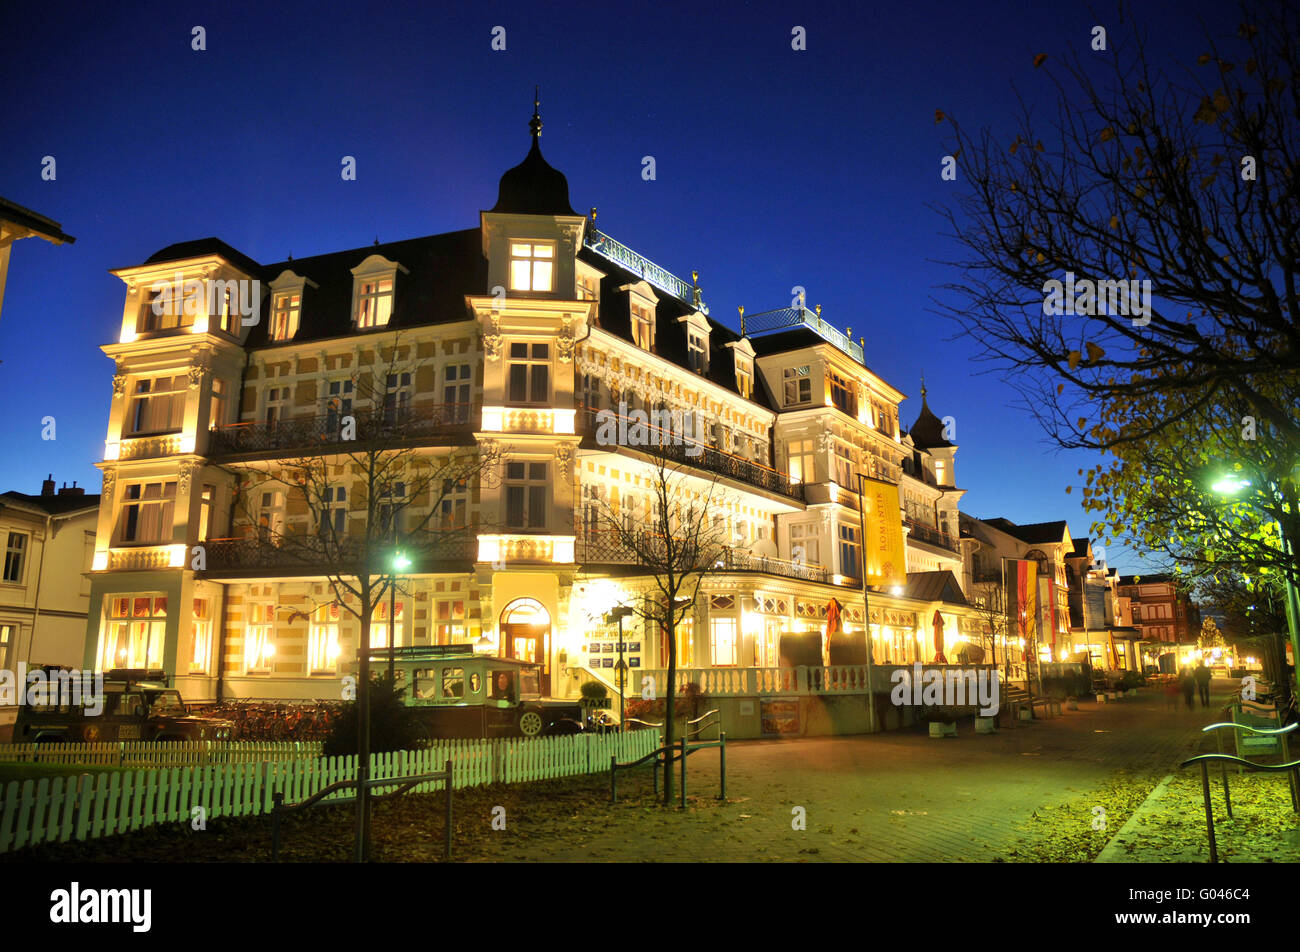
(897, 796)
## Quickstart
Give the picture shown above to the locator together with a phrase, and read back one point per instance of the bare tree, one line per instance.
(378, 486)
(683, 538)
(1185, 177)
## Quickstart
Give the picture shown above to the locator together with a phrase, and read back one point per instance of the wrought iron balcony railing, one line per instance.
(606, 548)
(318, 432)
(931, 535)
(676, 448)
(310, 554)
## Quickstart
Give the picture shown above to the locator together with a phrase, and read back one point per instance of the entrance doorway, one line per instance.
(526, 636)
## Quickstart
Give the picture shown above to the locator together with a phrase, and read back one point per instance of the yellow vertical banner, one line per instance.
(882, 550)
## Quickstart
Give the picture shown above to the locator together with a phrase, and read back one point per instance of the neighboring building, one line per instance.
(48, 542)
(580, 324)
(17, 223)
(1100, 617)
(1166, 616)
(990, 542)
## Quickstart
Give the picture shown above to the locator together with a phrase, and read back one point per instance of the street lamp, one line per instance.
(400, 562)
(1230, 485)
(618, 613)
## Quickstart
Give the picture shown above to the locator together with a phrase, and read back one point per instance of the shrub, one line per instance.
(392, 724)
(594, 694)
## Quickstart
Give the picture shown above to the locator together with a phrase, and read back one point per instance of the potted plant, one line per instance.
(942, 721)
(594, 694)
(986, 725)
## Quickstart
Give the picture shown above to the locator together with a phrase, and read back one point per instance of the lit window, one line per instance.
(722, 641)
(802, 457)
(805, 548)
(529, 374)
(587, 288)
(449, 615)
(157, 405)
(284, 316)
(527, 495)
(643, 327)
(323, 640)
(374, 302)
(147, 513)
(745, 379)
(217, 403)
(134, 630)
(697, 347)
(453, 507)
(797, 384)
(259, 628)
(172, 306)
(453, 682)
(379, 624)
(201, 634)
(843, 395)
(531, 266)
(7, 638)
(455, 392)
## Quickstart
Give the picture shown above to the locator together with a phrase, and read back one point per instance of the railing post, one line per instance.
(1227, 797)
(1209, 810)
(722, 763)
(277, 802)
(683, 743)
(446, 847)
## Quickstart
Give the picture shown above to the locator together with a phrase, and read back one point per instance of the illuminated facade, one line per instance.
(518, 333)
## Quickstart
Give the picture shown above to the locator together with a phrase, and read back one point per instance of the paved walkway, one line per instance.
(898, 796)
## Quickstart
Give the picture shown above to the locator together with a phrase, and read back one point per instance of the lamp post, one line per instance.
(400, 561)
(1229, 486)
(619, 613)
(866, 604)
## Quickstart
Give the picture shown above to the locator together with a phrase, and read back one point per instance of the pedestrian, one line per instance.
(1171, 694)
(1188, 684)
(1202, 675)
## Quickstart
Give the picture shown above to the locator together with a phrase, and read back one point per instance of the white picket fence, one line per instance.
(60, 809)
(139, 753)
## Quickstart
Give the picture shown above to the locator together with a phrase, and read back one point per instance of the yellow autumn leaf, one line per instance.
(938, 116)
(1095, 353)
(1041, 259)
(1073, 358)
(1107, 134)
(1039, 60)
(1114, 222)
(1202, 59)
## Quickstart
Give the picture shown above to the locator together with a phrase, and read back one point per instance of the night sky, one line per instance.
(775, 168)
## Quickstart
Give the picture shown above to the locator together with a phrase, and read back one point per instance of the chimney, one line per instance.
(47, 487)
(73, 490)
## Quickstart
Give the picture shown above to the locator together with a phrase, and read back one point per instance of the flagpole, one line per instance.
(866, 609)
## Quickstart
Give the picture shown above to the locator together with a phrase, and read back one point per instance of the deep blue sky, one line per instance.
(774, 168)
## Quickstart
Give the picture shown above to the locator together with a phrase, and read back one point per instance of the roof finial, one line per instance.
(922, 384)
(535, 123)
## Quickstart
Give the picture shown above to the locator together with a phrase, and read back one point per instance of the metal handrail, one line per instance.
(403, 784)
(702, 727)
(1204, 760)
(665, 756)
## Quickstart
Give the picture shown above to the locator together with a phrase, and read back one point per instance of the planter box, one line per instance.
(986, 725)
(942, 730)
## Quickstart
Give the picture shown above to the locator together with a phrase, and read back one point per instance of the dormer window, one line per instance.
(284, 315)
(697, 350)
(532, 265)
(374, 303)
(797, 382)
(374, 281)
(643, 326)
(745, 378)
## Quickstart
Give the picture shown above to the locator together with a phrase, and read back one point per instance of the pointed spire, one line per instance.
(923, 391)
(535, 123)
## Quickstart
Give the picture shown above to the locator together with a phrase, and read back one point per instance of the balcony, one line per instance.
(149, 447)
(446, 421)
(674, 448)
(308, 555)
(930, 536)
(605, 548)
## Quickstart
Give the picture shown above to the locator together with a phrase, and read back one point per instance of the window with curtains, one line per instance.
(157, 405)
(722, 641)
(171, 307)
(843, 394)
(697, 351)
(844, 466)
(453, 507)
(259, 637)
(797, 383)
(323, 640)
(374, 302)
(527, 495)
(643, 326)
(270, 517)
(529, 374)
(284, 315)
(449, 620)
(8, 637)
(379, 623)
(802, 455)
(147, 510)
(201, 636)
(134, 632)
(217, 403)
